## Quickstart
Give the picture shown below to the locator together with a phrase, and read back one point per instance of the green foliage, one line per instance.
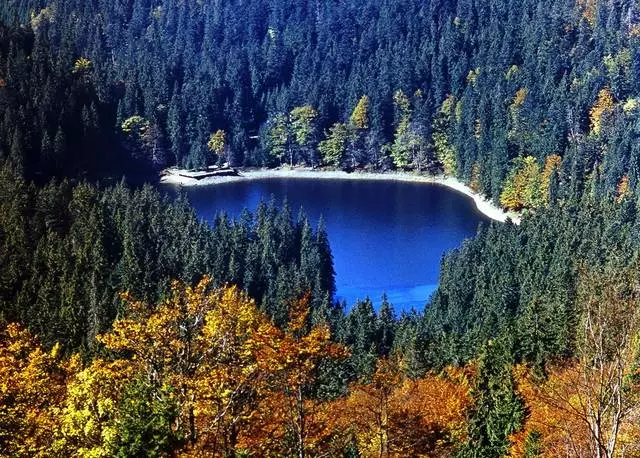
(279, 137)
(497, 411)
(135, 126)
(471, 102)
(442, 124)
(334, 146)
(144, 425)
(67, 252)
(303, 124)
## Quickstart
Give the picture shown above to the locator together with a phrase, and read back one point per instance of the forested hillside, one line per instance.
(497, 93)
(145, 332)
(69, 251)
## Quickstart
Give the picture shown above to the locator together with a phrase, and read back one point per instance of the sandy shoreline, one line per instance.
(483, 205)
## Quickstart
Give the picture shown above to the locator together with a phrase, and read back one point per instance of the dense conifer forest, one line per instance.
(131, 328)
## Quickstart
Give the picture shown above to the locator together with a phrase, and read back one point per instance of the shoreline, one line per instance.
(483, 205)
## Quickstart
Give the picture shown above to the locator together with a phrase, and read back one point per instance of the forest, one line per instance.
(131, 328)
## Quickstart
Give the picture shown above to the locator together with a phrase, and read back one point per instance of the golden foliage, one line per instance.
(623, 188)
(240, 385)
(32, 386)
(551, 164)
(603, 106)
(82, 66)
(558, 414)
(396, 417)
(523, 187)
(360, 116)
(218, 142)
(89, 413)
(588, 8)
(288, 422)
(590, 406)
(520, 97)
(474, 183)
(200, 341)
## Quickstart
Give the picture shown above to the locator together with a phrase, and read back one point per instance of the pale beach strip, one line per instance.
(175, 176)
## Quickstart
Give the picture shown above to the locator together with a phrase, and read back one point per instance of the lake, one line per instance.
(386, 236)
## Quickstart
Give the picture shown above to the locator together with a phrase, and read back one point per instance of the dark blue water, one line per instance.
(386, 236)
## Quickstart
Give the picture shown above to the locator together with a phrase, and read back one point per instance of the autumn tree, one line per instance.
(404, 417)
(602, 107)
(589, 406)
(82, 66)
(607, 357)
(290, 419)
(432, 415)
(217, 144)
(360, 117)
(32, 390)
(375, 405)
(623, 189)
(90, 411)
(200, 344)
(357, 127)
(522, 188)
(551, 167)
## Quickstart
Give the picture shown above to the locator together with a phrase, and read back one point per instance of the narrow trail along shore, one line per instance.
(177, 177)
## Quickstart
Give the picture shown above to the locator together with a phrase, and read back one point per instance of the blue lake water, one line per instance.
(386, 236)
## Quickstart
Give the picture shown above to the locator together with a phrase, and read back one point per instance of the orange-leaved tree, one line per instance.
(291, 421)
(590, 406)
(391, 417)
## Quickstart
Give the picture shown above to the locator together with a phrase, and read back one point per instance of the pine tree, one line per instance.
(497, 410)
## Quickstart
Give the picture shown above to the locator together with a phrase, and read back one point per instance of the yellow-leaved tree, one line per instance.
(601, 108)
(200, 342)
(522, 188)
(359, 118)
(32, 390)
(89, 415)
(217, 144)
